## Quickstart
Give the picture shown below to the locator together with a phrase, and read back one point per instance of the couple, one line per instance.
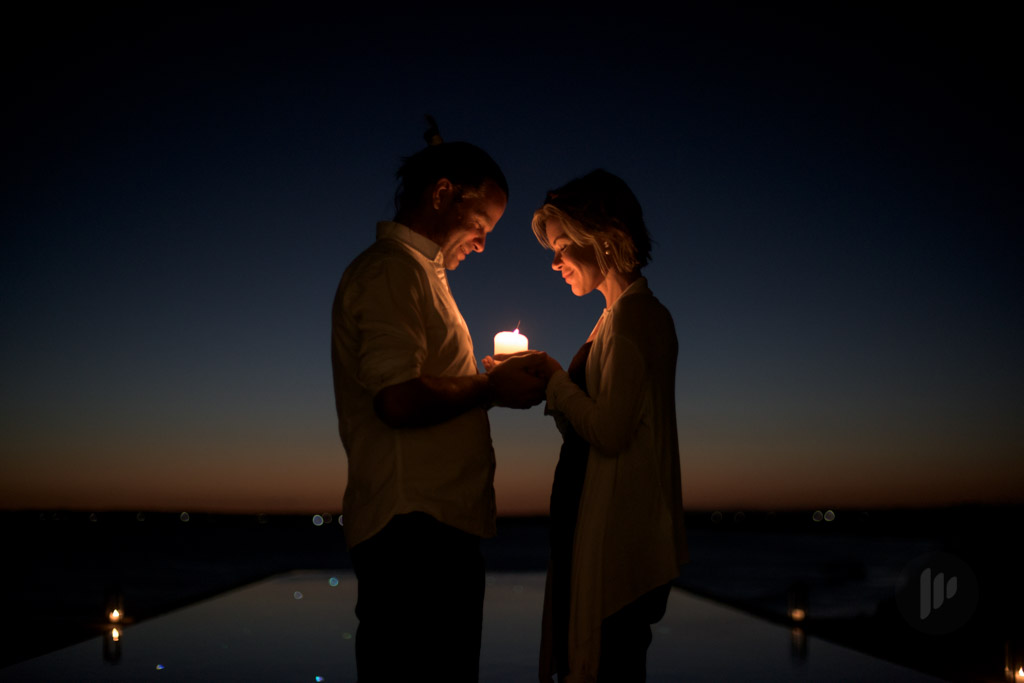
(412, 412)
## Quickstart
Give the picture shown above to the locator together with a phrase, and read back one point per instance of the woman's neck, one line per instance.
(614, 284)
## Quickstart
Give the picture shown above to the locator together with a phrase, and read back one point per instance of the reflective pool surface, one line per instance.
(301, 627)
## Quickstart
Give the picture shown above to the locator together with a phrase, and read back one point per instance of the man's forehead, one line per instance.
(488, 187)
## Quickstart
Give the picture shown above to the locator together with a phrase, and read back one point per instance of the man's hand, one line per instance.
(549, 367)
(518, 380)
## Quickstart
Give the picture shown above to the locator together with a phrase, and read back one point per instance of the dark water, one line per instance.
(301, 626)
(63, 572)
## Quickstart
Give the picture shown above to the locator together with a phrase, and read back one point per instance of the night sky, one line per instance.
(834, 194)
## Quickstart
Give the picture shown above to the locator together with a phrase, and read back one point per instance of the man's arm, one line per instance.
(425, 400)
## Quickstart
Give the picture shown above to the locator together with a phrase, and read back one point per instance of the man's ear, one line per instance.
(443, 194)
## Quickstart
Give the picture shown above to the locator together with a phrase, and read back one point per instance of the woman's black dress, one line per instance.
(565, 503)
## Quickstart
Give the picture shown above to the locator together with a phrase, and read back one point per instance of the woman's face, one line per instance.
(578, 265)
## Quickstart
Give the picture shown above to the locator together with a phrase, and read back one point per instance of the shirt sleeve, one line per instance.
(608, 420)
(386, 306)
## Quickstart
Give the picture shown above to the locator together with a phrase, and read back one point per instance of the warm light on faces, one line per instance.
(468, 220)
(576, 263)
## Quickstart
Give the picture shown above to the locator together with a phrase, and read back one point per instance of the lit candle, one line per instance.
(115, 635)
(115, 616)
(510, 342)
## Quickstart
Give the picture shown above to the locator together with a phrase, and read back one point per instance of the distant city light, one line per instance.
(333, 581)
(297, 595)
(318, 520)
(184, 517)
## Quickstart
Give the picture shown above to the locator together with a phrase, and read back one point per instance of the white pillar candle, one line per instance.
(510, 342)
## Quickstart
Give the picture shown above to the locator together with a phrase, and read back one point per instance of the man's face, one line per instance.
(468, 220)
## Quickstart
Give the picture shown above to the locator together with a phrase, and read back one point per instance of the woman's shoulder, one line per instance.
(640, 311)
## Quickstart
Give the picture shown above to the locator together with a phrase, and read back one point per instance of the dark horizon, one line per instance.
(840, 512)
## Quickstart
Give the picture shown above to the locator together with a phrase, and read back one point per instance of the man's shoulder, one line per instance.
(385, 249)
(385, 257)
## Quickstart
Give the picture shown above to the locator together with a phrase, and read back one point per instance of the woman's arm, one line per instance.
(609, 419)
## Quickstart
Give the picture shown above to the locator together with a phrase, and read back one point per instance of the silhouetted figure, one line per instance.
(617, 538)
(412, 412)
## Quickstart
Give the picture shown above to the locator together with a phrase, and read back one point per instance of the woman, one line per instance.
(616, 504)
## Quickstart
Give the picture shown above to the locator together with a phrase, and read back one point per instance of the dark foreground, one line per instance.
(64, 571)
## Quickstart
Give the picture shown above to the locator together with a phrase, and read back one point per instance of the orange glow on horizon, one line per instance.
(315, 482)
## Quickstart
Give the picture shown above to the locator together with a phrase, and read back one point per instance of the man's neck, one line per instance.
(421, 224)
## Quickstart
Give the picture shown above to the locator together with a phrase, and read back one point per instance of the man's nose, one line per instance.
(479, 242)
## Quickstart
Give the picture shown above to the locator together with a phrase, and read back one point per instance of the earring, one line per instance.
(607, 248)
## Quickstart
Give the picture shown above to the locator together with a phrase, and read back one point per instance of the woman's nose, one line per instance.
(556, 262)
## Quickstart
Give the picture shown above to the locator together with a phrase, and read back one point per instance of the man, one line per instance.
(412, 412)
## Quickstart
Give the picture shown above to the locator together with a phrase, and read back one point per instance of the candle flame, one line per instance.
(115, 615)
(115, 635)
(797, 614)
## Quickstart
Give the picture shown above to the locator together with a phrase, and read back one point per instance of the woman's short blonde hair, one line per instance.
(601, 212)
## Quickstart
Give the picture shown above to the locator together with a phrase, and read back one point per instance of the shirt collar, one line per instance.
(401, 233)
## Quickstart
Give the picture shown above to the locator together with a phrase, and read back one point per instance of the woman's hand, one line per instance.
(517, 380)
(491, 362)
(536, 363)
(552, 366)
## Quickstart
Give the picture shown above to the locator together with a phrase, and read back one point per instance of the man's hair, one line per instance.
(463, 164)
(600, 211)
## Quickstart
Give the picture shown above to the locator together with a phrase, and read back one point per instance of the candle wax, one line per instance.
(510, 342)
